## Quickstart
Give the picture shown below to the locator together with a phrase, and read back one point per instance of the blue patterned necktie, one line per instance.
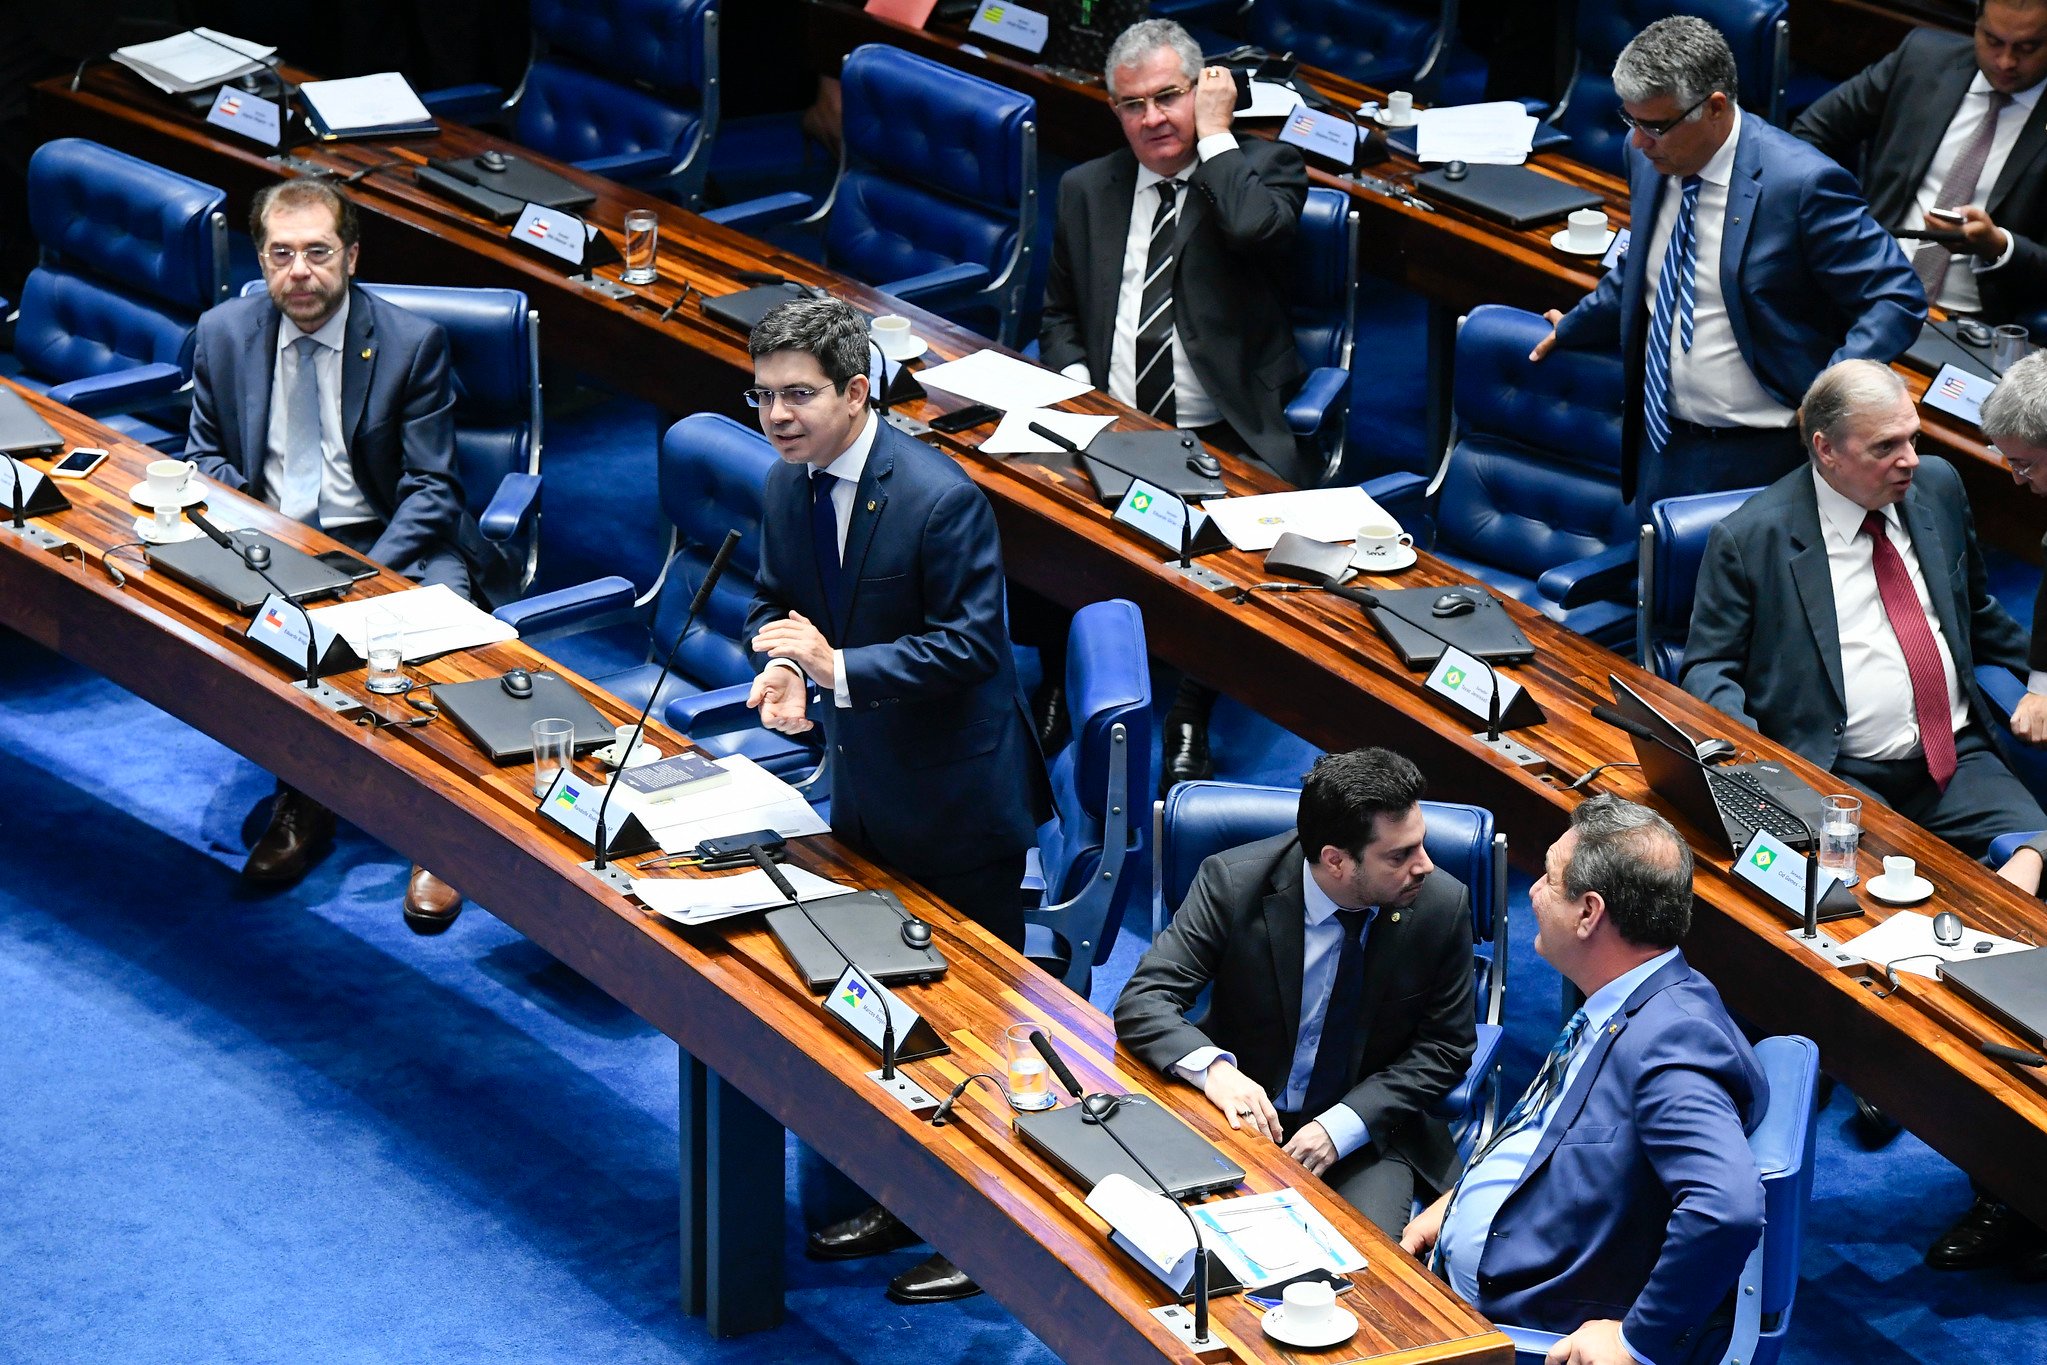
(298, 497)
(824, 535)
(1676, 293)
(1329, 1080)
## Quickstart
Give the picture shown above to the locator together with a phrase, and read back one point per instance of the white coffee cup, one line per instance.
(892, 333)
(620, 738)
(165, 523)
(1899, 871)
(1587, 230)
(1399, 107)
(168, 479)
(1309, 1307)
(1381, 540)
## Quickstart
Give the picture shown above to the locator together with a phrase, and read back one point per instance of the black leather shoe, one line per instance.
(301, 830)
(1990, 1232)
(1186, 754)
(1874, 1128)
(868, 1233)
(1048, 713)
(934, 1281)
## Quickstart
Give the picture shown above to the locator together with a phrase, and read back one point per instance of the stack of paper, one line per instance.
(1149, 1226)
(754, 799)
(699, 900)
(1325, 514)
(194, 60)
(360, 106)
(1499, 133)
(1013, 435)
(1266, 1238)
(1002, 381)
(435, 620)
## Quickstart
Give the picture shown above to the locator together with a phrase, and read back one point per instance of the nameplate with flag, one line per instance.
(1778, 871)
(572, 803)
(1465, 681)
(1161, 516)
(279, 630)
(564, 236)
(253, 116)
(1011, 24)
(1959, 394)
(1329, 136)
(858, 1004)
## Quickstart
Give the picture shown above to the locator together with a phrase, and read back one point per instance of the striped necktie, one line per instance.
(1155, 330)
(1676, 292)
(1931, 260)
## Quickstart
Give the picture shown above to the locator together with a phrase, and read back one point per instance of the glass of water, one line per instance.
(554, 745)
(386, 653)
(1029, 1087)
(642, 243)
(2009, 344)
(1840, 832)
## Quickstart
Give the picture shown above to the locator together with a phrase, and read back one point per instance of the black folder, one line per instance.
(1513, 195)
(502, 724)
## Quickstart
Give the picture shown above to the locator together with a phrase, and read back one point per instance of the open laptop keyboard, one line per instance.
(1741, 797)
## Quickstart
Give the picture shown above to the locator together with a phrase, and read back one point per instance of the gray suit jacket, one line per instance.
(1765, 645)
(1241, 932)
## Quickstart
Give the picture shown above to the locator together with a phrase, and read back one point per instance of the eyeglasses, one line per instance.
(1165, 101)
(2020, 468)
(317, 255)
(795, 396)
(1658, 127)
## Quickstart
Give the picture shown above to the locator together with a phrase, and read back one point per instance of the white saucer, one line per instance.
(1341, 1326)
(1385, 120)
(145, 531)
(1911, 893)
(1401, 557)
(195, 491)
(908, 356)
(1558, 239)
(646, 753)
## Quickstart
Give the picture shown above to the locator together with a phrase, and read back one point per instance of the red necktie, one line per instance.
(1922, 655)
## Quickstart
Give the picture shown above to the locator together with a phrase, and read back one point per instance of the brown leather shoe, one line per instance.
(431, 905)
(301, 829)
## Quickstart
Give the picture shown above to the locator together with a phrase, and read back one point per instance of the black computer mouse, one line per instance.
(493, 160)
(916, 933)
(1205, 464)
(517, 682)
(1972, 331)
(1454, 604)
(1455, 170)
(1715, 750)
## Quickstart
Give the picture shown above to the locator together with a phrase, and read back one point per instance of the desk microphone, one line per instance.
(14, 467)
(888, 1021)
(1207, 578)
(271, 64)
(711, 577)
(257, 558)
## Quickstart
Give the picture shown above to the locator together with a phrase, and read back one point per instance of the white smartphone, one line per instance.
(78, 463)
(1955, 214)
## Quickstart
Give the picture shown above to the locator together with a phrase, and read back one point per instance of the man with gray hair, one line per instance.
(1842, 612)
(2015, 422)
(1754, 264)
(1618, 1200)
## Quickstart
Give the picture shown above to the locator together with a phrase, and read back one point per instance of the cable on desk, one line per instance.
(141, 549)
(1578, 783)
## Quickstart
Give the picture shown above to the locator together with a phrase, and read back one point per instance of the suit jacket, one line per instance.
(397, 413)
(1229, 283)
(1765, 644)
(1642, 1200)
(1900, 109)
(935, 765)
(1242, 931)
(1808, 276)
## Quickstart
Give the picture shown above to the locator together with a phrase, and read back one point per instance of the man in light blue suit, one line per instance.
(1618, 1201)
(1753, 264)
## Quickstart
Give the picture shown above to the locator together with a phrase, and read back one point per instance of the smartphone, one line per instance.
(1243, 80)
(1955, 214)
(354, 565)
(78, 463)
(953, 423)
(735, 845)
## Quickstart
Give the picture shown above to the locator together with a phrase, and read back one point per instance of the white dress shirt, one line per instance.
(845, 472)
(341, 501)
(1881, 722)
(1710, 385)
(1958, 292)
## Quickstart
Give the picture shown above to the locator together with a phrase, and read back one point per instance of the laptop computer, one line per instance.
(1159, 458)
(220, 573)
(1723, 798)
(867, 924)
(1184, 1161)
(1486, 632)
(2012, 986)
(502, 724)
(1513, 195)
(23, 430)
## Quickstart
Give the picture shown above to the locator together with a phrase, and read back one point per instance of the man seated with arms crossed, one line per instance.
(1942, 119)
(1618, 1200)
(335, 408)
(1370, 947)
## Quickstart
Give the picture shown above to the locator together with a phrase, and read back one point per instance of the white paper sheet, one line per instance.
(1330, 515)
(1013, 435)
(435, 620)
(355, 102)
(1270, 100)
(1002, 381)
(189, 61)
(1498, 133)
(699, 900)
(754, 799)
(1909, 935)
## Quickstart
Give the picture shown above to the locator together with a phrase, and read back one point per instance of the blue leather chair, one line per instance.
(1324, 304)
(1757, 30)
(1091, 854)
(1530, 501)
(1673, 544)
(936, 201)
(1782, 1145)
(711, 474)
(1390, 44)
(1197, 819)
(621, 88)
(131, 256)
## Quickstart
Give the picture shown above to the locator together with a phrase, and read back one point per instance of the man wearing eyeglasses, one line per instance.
(335, 408)
(1752, 266)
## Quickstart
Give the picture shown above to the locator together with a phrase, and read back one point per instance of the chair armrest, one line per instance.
(511, 507)
(1324, 389)
(710, 713)
(2004, 688)
(1470, 1091)
(765, 211)
(465, 103)
(1530, 1344)
(1603, 577)
(1539, 108)
(935, 286)
(566, 607)
(628, 165)
(118, 389)
(2004, 845)
(1404, 497)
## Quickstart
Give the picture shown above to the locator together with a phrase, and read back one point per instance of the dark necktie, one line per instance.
(824, 535)
(1931, 259)
(1676, 291)
(1155, 330)
(1329, 1081)
(1922, 654)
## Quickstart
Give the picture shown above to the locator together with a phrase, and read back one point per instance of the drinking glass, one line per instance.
(385, 652)
(642, 244)
(1029, 1087)
(554, 742)
(2009, 344)
(1840, 832)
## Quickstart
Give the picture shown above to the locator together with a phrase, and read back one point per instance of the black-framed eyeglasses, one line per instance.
(796, 396)
(316, 255)
(1165, 101)
(1657, 127)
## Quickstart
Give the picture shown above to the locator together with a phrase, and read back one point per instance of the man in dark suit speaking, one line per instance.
(1339, 959)
(1955, 138)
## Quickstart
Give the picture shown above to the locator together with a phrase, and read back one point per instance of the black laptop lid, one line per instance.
(1184, 1161)
(23, 430)
(221, 574)
(867, 924)
(1513, 195)
(502, 724)
(1159, 457)
(1486, 632)
(2012, 986)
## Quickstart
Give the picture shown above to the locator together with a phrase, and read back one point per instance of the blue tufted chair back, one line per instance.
(131, 255)
(1678, 528)
(712, 471)
(1324, 292)
(1755, 29)
(1374, 42)
(940, 171)
(619, 76)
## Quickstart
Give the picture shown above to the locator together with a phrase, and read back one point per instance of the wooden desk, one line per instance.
(1312, 665)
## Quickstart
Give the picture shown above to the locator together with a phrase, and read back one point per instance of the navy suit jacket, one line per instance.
(1809, 277)
(397, 412)
(934, 766)
(1765, 644)
(1642, 1200)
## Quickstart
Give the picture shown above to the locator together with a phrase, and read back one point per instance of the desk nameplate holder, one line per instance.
(572, 802)
(571, 242)
(40, 497)
(852, 1003)
(1778, 871)
(1159, 516)
(1465, 683)
(279, 630)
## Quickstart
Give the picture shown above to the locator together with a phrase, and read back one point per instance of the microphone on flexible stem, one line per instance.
(1098, 1109)
(257, 558)
(271, 64)
(711, 577)
(14, 467)
(1207, 578)
(888, 1022)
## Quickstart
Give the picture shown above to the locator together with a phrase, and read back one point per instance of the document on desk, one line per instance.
(1013, 434)
(1002, 381)
(1905, 940)
(356, 105)
(1497, 133)
(1325, 514)
(1150, 1227)
(754, 799)
(1269, 99)
(193, 60)
(1266, 1238)
(435, 619)
(699, 900)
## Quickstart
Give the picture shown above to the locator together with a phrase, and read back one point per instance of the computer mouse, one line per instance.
(1714, 750)
(1205, 464)
(1453, 604)
(493, 160)
(1972, 331)
(517, 682)
(1455, 170)
(1947, 928)
(916, 933)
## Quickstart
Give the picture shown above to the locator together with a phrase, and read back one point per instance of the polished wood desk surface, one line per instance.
(1309, 662)
(725, 993)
